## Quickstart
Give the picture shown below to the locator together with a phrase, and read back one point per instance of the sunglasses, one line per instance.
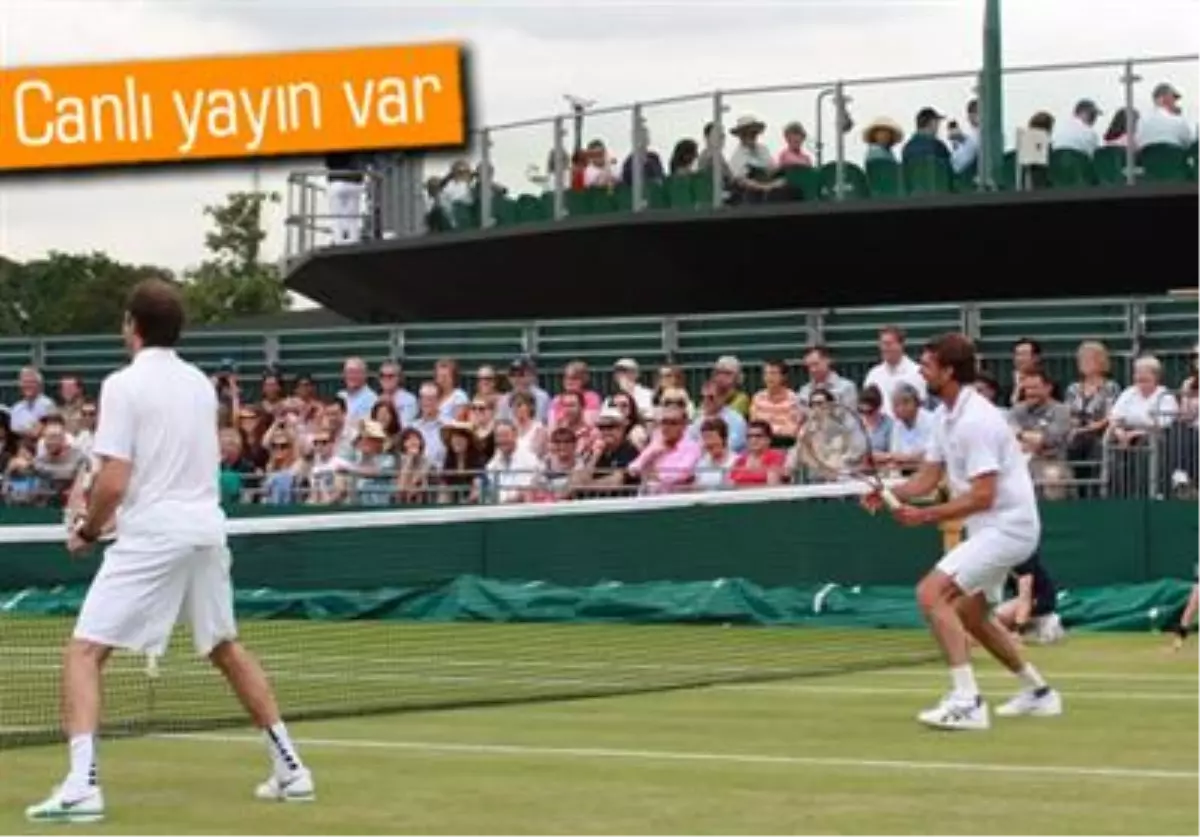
(281, 445)
(758, 435)
(674, 403)
(320, 441)
(387, 375)
(672, 422)
(481, 407)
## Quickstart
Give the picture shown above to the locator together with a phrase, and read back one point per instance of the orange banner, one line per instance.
(293, 103)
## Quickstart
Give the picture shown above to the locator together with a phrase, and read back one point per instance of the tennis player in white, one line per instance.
(973, 448)
(158, 453)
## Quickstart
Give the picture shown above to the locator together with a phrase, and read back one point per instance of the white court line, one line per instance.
(1127, 677)
(1191, 697)
(726, 758)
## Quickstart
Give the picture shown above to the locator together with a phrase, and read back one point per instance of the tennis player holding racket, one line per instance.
(990, 487)
(835, 443)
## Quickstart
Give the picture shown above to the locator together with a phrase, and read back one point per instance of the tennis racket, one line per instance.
(75, 513)
(835, 442)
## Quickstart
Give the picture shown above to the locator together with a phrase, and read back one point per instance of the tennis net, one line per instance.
(357, 612)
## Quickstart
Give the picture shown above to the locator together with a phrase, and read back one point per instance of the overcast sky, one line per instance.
(527, 55)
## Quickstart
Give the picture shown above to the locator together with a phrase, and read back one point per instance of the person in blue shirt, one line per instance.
(925, 142)
(711, 407)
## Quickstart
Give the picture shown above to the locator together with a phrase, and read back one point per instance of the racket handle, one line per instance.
(889, 499)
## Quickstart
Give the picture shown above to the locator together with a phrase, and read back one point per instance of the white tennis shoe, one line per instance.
(1029, 702)
(82, 805)
(954, 713)
(295, 787)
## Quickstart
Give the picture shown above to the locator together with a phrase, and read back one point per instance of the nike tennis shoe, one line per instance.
(294, 787)
(1040, 703)
(955, 713)
(81, 805)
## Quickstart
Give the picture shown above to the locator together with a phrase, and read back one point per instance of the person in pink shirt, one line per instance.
(574, 419)
(669, 462)
(793, 153)
(575, 380)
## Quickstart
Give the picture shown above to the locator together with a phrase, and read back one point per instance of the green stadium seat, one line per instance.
(854, 182)
(623, 198)
(1008, 172)
(1193, 159)
(504, 211)
(529, 209)
(1163, 163)
(603, 200)
(680, 193)
(656, 195)
(1109, 165)
(466, 216)
(702, 189)
(804, 182)
(321, 352)
(884, 179)
(578, 202)
(471, 344)
(927, 176)
(1071, 169)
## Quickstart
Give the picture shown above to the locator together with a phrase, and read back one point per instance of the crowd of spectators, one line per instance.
(508, 440)
(753, 173)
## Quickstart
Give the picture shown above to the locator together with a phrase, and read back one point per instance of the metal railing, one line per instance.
(510, 153)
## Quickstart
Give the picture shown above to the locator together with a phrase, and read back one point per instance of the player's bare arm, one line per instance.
(980, 497)
(921, 484)
(108, 487)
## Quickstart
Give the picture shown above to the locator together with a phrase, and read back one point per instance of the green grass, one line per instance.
(836, 754)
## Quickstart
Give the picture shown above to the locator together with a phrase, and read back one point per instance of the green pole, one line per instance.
(991, 98)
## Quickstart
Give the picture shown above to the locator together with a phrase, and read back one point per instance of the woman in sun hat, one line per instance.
(881, 136)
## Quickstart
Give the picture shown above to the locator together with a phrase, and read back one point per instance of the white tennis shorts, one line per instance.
(981, 561)
(138, 596)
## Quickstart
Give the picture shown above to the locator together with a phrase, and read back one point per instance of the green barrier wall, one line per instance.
(772, 544)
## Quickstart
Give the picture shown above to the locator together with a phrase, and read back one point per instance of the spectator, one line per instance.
(881, 137)
(924, 142)
(754, 175)
(226, 384)
(572, 418)
(671, 382)
(1136, 421)
(253, 426)
(384, 414)
(234, 467)
(281, 477)
(513, 470)
(25, 416)
(989, 388)
(819, 364)
(462, 465)
(82, 440)
(652, 167)
(531, 433)
(684, 157)
(793, 153)
(714, 153)
(486, 388)
(9, 441)
(1042, 425)
(895, 367)
(604, 468)
(58, 463)
(483, 425)
(456, 189)
(321, 471)
(413, 468)
(1122, 128)
(600, 171)
(70, 400)
(304, 390)
(625, 379)
(575, 383)
(372, 469)
(429, 422)
(668, 463)
(580, 163)
(912, 428)
(21, 484)
(1042, 121)
(777, 404)
(964, 145)
(271, 392)
(359, 397)
(717, 460)
(759, 464)
(733, 426)
(1079, 132)
(727, 378)
(1184, 435)
(452, 400)
(344, 176)
(391, 387)
(635, 424)
(878, 423)
(1027, 359)
(522, 377)
(559, 466)
(1166, 124)
(1089, 401)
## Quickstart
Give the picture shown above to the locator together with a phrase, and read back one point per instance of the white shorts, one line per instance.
(981, 562)
(138, 596)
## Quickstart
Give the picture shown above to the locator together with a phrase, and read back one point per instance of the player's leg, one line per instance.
(937, 596)
(1036, 697)
(209, 609)
(1006, 614)
(1189, 616)
(133, 603)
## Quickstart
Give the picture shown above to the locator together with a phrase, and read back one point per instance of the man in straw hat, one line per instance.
(754, 174)
(881, 136)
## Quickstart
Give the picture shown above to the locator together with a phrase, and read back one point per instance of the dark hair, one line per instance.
(340, 401)
(818, 348)
(781, 365)
(578, 396)
(1038, 372)
(53, 418)
(1042, 120)
(871, 396)
(988, 380)
(1034, 346)
(1121, 124)
(716, 425)
(822, 392)
(955, 352)
(156, 309)
(973, 106)
(562, 434)
(686, 152)
(895, 331)
(393, 423)
(758, 424)
(522, 398)
(405, 435)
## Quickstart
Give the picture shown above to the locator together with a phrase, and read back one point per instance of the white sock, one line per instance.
(1030, 678)
(963, 678)
(83, 762)
(283, 753)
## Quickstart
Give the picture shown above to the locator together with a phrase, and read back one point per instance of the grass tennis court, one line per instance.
(835, 754)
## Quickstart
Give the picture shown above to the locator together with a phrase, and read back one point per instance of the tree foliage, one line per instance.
(80, 293)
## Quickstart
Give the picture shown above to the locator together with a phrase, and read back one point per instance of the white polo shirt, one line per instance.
(1075, 135)
(1164, 128)
(973, 439)
(160, 414)
(887, 378)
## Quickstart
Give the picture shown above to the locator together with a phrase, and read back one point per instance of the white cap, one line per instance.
(626, 363)
(610, 415)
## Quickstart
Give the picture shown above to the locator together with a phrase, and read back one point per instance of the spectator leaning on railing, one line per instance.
(1043, 427)
(512, 471)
